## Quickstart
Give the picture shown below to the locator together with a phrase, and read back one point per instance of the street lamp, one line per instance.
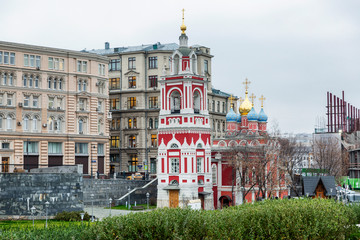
(129, 197)
(92, 207)
(33, 214)
(147, 199)
(47, 207)
(82, 217)
(110, 201)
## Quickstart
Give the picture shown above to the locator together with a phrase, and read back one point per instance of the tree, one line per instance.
(329, 155)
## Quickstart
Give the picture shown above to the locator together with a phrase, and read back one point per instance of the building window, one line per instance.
(130, 123)
(114, 83)
(153, 81)
(101, 69)
(10, 99)
(9, 122)
(213, 106)
(1, 57)
(100, 149)
(82, 104)
(114, 142)
(133, 163)
(218, 106)
(38, 62)
(153, 62)
(174, 165)
(31, 61)
(151, 123)
(199, 165)
(26, 101)
(206, 66)
(114, 104)
(132, 141)
(82, 85)
(131, 102)
(12, 58)
(132, 62)
(175, 102)
(156, 123)
(82, 66)
(51, 103)
(26, 123)
(55, 148)
(214, 174)
(7, 79)
(81, 148)
(35, 123)
(223, 107)
(114, 65)
(153, 140)
(153, 102)
(81, 126)
(31, 147)
(152, 165)
(5, 145)
(132, 82)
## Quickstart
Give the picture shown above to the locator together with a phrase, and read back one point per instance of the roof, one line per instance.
(144, 47)
(310, 183)
(221, 93)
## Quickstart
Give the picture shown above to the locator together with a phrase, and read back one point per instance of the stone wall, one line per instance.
(21, 191)
(103, 189)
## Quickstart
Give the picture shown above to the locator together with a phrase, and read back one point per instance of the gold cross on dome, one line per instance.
(246, 83)
(241, 100)
(231, 99)
(183, 10)
(262, 99)
(252, 98)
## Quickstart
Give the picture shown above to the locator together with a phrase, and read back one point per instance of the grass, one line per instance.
(123, 207)
(37, 223)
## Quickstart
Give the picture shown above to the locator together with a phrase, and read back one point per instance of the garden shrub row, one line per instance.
(277, 219)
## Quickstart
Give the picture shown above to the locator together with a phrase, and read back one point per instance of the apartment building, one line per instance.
(134, 102)
(54, 106)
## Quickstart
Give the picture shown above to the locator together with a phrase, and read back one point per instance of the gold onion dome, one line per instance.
(245, 106)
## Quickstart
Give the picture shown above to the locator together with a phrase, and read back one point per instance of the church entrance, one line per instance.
(225, 201)
(173, 198)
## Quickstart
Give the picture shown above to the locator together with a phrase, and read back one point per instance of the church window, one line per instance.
(199, 145)
(174, 146)
(174, 165)
(199, 165)
(196, 102)
(175, 102)
(214, 174)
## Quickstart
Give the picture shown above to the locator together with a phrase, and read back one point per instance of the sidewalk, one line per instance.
(100, 212)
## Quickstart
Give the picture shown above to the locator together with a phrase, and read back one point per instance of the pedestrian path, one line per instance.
(100, 212)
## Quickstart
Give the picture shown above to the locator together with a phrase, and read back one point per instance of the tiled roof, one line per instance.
(310, 183)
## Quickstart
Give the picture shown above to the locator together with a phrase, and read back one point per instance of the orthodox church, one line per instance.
(218, 172)
(184, 152)
(245, 163)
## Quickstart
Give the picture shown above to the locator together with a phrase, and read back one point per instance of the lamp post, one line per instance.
(33, 214)
(110, 201)
(129, 197)
(82, 217)
(92, 207)
(47, 207)
(147, 199)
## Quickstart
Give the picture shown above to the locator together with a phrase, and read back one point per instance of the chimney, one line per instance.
(107, 45)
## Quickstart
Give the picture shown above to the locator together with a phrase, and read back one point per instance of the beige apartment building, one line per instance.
(134, 102)
(54, 109)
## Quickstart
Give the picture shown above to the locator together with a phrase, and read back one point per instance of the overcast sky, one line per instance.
(293, 52)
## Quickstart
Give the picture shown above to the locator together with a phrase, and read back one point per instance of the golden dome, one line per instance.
(183, 27)
(245, 106)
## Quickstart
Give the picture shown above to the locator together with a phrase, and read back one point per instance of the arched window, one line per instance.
(5, 79)
(31, 81)
(84, 85)
(214, 174)
(26, 123)
(36, 82)
(196, 100)
(134, 123)
(199, 145)
(176, 64)
(9, 121)
(174, 146)
(175, 102)
(51, 124)
(35, 123)
(151, 125)
(193, 64)
(81, 126)
(55, 83)
(79, 86)
(11, 79)
(60, 84)
(1, 121)
(58, 124)
(49, 82)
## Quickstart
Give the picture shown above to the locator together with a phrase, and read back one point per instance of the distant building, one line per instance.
(53, 108)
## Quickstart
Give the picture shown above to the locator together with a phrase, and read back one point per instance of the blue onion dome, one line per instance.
(231, 116)
(238, 118)
(252, 115)
(262, 116)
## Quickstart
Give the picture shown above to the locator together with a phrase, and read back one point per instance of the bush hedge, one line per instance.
(276, 219)
(71, 216)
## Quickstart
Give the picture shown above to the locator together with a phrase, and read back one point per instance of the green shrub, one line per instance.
(71, 216)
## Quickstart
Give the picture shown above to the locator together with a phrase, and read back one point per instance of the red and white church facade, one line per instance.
(184, 152)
